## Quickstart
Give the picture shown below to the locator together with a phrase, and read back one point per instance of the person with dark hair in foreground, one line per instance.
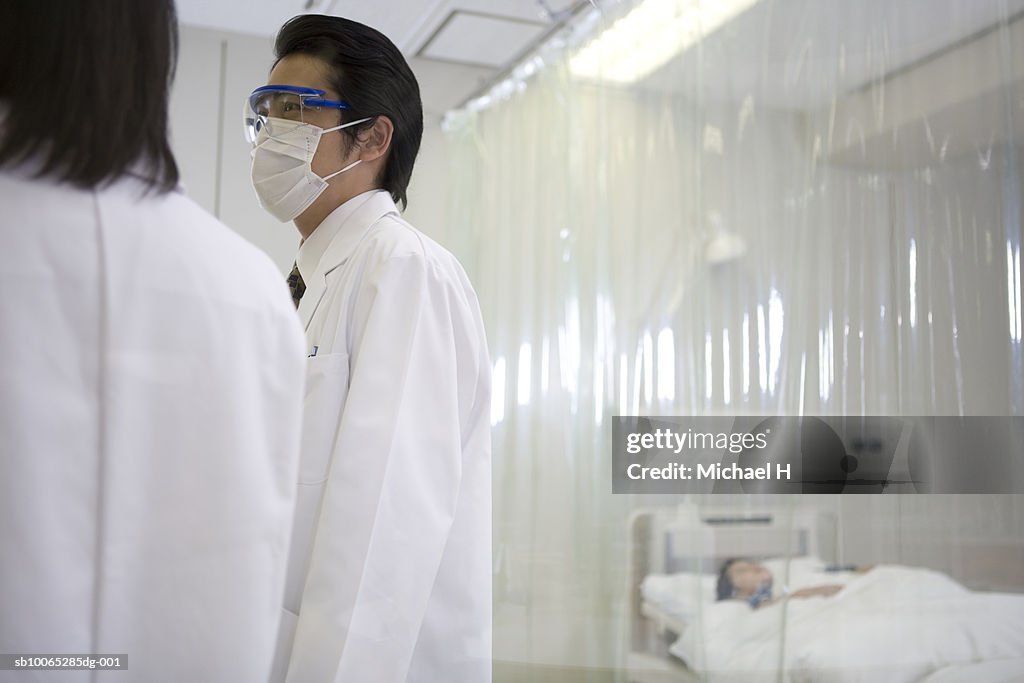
(390, 575)
(151, 371)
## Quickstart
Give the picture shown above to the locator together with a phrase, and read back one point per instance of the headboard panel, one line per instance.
(687, 538)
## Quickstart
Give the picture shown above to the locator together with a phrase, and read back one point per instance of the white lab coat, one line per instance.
(151, 379)
(390, 579)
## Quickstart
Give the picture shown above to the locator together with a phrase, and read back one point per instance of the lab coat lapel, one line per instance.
(341, 247)
(311, 298)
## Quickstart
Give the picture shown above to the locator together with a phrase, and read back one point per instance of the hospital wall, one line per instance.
(216, 70)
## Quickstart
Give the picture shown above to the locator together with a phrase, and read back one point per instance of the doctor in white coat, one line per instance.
(151, 372)
(389, 578)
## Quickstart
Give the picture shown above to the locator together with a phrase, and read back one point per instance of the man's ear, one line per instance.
(375, 141)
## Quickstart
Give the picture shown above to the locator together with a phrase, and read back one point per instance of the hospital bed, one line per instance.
(684, 542)
(895, 623)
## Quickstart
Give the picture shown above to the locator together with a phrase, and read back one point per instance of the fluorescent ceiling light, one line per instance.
(651, 34)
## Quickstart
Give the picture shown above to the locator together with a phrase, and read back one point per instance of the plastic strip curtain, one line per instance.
(812, 208)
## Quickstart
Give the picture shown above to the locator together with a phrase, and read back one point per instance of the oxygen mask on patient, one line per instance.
(761, 595)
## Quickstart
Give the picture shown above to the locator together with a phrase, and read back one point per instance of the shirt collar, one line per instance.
(334, 228)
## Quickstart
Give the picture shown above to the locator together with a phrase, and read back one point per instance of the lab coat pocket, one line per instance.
(326, 389)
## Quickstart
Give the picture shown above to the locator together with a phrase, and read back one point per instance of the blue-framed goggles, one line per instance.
(290, 103)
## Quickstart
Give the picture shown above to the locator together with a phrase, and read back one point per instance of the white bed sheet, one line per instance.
(891, 625)
(996, 671)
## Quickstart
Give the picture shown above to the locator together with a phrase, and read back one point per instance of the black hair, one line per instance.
(85, 86)
(369, 73)
(725, 588)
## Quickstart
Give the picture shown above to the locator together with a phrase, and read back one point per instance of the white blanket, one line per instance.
(893, 624)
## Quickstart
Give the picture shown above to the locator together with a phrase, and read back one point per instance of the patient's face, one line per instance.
(747, 577)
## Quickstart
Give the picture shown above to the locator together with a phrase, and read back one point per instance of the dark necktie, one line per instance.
(296, 284)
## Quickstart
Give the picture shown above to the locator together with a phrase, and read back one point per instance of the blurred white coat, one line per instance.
(151, 377)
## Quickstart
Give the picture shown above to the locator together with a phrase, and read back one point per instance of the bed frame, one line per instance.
(689, 538)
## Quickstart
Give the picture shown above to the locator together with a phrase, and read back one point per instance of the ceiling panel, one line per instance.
(400, 20)
(481, 39)
(484, 49)
(407, 22)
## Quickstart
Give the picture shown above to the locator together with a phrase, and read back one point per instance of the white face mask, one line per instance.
(282, 172)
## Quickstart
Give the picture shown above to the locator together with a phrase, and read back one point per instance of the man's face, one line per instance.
(747, 577)
(311, 72)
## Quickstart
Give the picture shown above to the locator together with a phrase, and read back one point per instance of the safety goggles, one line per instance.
(272, 104)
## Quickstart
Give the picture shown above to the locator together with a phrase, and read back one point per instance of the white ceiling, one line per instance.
(408, 23)
(484, 39)
(468, 42)
(797, 54)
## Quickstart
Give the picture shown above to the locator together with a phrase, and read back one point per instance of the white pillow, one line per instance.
(679, 594)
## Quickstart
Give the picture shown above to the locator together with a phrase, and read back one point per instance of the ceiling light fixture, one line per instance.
(650, 35)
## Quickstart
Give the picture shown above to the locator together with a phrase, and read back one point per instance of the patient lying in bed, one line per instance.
(890, 624)
(744, 579)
